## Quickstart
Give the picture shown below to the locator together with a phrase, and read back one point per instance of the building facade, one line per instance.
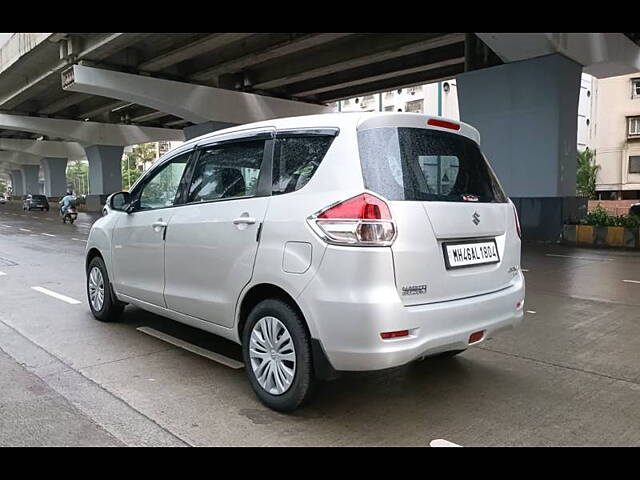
(616, 136)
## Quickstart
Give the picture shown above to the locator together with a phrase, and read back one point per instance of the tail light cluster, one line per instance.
(364, 220)
(515, 213)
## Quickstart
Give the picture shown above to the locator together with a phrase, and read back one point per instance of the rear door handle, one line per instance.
(157, 225)
(244, 220)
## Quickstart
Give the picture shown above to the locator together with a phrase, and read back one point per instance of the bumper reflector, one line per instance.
(476, 336)
(399, 333)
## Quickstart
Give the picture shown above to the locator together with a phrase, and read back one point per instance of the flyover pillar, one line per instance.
(55, 176)
(526, 113)
(16, 183)
(105, 173)
(30, 180)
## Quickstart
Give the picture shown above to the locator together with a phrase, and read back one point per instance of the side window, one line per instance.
(227, 171)
(296, 159)
(162, 189)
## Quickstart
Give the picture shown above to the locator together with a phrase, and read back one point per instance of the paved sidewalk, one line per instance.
(33, 414)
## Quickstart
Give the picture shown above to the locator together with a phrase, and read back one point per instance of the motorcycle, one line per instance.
(71, 214)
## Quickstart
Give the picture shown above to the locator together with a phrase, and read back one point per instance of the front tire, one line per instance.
(277, 355)
(102, 301)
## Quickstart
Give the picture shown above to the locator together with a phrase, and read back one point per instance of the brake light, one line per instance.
(443, 124)
(364, 220)
(515, 213)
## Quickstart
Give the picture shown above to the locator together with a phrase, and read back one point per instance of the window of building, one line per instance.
(414, 90)
(634, 126)
(635, 88)
(389, 108)
(634, 164)
(414, 106)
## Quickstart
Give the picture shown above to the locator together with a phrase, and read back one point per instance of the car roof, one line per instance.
(355, 120)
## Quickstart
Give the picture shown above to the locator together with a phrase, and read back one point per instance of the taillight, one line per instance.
(364, 220)
(515, 213)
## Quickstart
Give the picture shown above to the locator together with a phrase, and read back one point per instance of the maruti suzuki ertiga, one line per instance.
(321, 243)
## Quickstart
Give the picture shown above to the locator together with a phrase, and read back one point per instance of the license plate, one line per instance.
(470, 253)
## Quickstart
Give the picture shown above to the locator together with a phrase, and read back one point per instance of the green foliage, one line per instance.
(3, 186)
(133, 162)
(78, 176)
(586, 174)
(599, 217)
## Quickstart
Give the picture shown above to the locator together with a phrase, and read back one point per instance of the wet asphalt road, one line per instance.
(570, 375)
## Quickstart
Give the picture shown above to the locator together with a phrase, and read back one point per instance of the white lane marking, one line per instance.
(2, 273)
(631, 281)
(440, 442)
(7, 226)
(216, 357)
(48, 235)
(64, 298)
(603, 259)
(24, 229)
(531, 311)
(23, 216)
(525, 269)
(79, 240)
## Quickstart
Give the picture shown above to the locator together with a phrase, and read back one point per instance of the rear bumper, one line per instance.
(350, 331)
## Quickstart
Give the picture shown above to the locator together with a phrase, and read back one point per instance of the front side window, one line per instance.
(634, 164)
(228, 170)
(162, 189)
(296, 159)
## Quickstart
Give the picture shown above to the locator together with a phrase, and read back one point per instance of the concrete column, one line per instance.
(105, 173)
(30, 181)
(526, 113)
(55, 176)
(16, 183)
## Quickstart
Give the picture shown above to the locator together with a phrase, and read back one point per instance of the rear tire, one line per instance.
(105, 307)
(270, 322)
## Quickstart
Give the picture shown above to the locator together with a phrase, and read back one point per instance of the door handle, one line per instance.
(158, 225)
(244, 220)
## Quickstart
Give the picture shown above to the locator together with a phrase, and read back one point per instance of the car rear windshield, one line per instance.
(426, 165)
(39, 197)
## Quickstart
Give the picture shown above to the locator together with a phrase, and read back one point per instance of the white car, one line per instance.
(324, 243)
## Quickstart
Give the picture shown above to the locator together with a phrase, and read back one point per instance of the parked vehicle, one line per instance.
(635, 209)
(32, 202)
(325, 243)
(70, 215)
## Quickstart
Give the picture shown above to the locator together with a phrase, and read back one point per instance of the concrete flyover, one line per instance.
(519, 90)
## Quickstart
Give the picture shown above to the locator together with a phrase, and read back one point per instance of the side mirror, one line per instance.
(120, 201)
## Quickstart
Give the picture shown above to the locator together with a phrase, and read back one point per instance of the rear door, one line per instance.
(453, 220)
(211, 245)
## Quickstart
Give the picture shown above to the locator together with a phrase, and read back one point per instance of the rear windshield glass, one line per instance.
(426, 165)
(39, 197)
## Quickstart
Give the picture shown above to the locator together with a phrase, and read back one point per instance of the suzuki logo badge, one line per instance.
(476, 218)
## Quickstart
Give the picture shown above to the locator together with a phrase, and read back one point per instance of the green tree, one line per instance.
(133, 162)
(78, 176)
(3, 186)
(586, 174)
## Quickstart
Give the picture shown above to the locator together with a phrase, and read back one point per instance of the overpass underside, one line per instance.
(93, 94)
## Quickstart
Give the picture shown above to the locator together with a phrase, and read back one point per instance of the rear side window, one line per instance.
(296, 159)
(426, 165)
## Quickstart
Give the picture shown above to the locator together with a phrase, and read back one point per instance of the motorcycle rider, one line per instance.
(69, 200)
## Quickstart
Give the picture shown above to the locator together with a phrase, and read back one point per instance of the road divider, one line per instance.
(64, 298)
